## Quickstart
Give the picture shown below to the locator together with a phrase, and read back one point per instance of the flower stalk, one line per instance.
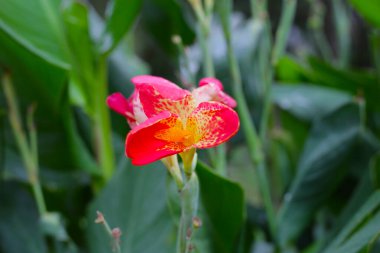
(28, 150)
(204, 17)
(171, 163)
(103, 140)
(114, 234)
(189, 204)
(253, 140)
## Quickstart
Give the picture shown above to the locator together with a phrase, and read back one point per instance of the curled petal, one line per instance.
(153, 139)
(123, 106)
(211, 80)
(211, 91)
(214, 122)
(118, 103)
(226, 99)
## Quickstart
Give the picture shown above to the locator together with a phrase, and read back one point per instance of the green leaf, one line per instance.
(19, 227)
(360, 230)
(223, 201)
(308, 102)
(366, 147)
(369, 9)
(323, 74)
(289, 70)
(36, 26)
(34, 79)
(120, 16)
(135, 201)
(330, 141)
(82, 54)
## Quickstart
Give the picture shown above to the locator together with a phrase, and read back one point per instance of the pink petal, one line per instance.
(123, 106)
(216, 123)
(163, 87)
(143, 144)
(118, 103)
(211, 80)
(157, 95)
(211, 92)
(226, 99)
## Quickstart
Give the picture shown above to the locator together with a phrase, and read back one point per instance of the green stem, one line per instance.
(253, 141)
(259, 8)
(218, 156)
(282, 32)
(375, 42)
(28, 154)
(315, 23)
(171, 163)
(281, 37)
(208, 66)
(103, 133)
(189, 205)
(39, 197)
(342, 28)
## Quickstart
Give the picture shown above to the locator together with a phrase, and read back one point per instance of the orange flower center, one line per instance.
(181, 135)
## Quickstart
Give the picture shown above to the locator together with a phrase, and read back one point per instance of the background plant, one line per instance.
(301, 176)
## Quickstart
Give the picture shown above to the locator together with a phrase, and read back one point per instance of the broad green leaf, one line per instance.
(135, 201)
(19, 228)
(242, 171)
(364, 150)
(38, 82)
(34, 79)
(120, 15)
(82, 54)
(369, 9)
(323, 74)
(360, 230)
(330, 141)
(289, 70)
(36, 25)
(223, 201)
(308, 102)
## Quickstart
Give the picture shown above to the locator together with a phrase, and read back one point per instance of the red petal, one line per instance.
(157, 95)
(215, 124)
(143, 144)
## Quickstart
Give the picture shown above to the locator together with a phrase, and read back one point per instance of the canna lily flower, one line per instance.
(168, 120)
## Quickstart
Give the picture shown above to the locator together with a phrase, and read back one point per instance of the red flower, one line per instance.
(167, 120)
